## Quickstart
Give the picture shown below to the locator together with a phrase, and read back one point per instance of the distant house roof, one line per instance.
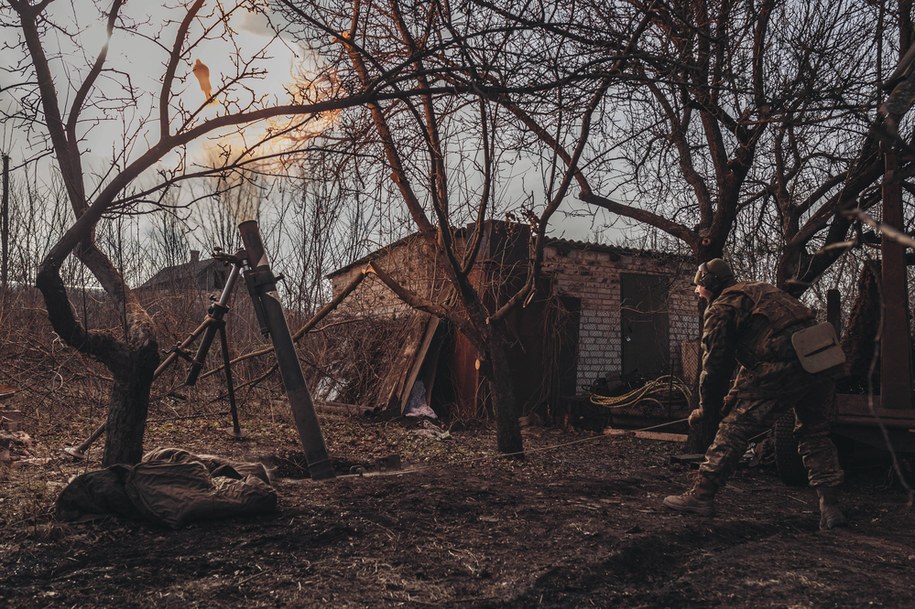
(563, 245)
(196, 274)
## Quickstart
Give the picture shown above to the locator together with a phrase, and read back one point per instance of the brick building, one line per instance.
(601, 314)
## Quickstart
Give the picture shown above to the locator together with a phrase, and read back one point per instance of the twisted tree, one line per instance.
(67, 98)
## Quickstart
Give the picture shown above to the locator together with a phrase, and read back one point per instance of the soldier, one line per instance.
(786, 360)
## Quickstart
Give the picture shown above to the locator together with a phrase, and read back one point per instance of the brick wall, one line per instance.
(593, 276)
(589, 273)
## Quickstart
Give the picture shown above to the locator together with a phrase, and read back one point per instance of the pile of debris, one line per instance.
(15, 444)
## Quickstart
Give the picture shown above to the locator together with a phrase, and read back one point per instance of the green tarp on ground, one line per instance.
(172, 487)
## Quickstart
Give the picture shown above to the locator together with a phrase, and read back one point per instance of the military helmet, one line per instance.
(714, 275)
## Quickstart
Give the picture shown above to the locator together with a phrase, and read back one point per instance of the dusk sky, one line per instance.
(144, 62)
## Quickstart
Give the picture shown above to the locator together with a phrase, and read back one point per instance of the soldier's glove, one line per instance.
(695, 416)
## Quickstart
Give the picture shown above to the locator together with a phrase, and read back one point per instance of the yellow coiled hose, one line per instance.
(652, 391)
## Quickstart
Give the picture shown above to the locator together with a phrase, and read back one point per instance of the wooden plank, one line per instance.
(612, 431)
(341, 408)
(419, 357)
(393, 383)
(661, 436)
(647, 435)
(401, 376)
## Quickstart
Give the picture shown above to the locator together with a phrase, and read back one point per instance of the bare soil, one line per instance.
(578, 523)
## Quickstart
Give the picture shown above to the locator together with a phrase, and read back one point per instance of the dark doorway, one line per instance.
(568, 320)
(545, 354)
(644, 332)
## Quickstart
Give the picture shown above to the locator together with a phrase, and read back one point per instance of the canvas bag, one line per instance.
(818, 348)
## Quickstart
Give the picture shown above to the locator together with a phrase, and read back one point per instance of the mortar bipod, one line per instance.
(213, 322)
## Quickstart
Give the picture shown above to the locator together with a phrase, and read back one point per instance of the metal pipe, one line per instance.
(230, 384)
(262, 284)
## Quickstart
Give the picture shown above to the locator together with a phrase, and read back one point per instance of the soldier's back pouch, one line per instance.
(818, 348)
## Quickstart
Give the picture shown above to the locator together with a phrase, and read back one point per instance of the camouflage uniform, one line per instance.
(751, 324)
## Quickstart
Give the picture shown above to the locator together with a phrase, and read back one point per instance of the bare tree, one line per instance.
(168, 237)
(62, 100)
(446, 158)
(722, 109)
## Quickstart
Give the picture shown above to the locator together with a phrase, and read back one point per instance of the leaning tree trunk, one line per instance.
(132, 362)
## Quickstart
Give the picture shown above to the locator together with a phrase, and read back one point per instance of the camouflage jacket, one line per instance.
(750, 324)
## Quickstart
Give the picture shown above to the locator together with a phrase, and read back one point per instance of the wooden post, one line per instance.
(895, 352)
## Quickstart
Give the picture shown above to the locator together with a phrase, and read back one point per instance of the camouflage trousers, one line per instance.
(751, 416)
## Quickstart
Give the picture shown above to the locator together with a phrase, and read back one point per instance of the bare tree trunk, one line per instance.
(499, 375)
(131, 362)
(5, 224)
(129, 405)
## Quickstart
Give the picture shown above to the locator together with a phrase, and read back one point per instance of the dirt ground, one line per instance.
(578, 523)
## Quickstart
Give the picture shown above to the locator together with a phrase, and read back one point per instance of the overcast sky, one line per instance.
(144, 62)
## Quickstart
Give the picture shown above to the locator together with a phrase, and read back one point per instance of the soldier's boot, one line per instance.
(831, 515)
(699, 499)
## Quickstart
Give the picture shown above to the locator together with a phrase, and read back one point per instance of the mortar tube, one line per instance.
(303, 410)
